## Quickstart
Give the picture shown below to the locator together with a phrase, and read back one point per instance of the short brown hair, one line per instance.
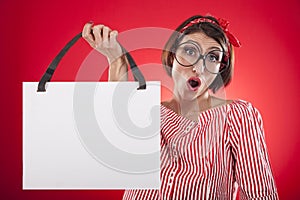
(212, 30)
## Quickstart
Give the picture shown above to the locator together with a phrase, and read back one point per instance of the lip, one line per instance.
(193, 79)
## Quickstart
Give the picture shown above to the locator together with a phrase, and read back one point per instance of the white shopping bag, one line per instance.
(91, 135)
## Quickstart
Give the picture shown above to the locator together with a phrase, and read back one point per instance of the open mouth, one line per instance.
(193, 83)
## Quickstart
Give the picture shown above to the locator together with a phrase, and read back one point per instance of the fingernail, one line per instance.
(91, 22)
(114, 33)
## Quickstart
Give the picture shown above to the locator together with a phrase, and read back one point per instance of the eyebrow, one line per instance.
(209, 49)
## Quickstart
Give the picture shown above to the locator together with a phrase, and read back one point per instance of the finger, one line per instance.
(113, 36)
(97, 31)
(86, 32)
(105, 34)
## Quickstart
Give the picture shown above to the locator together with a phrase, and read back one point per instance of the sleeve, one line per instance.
(252, 167)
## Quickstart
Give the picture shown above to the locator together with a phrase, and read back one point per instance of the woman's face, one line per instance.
(193, 81)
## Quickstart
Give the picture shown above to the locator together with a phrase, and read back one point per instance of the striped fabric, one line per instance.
(207, 159)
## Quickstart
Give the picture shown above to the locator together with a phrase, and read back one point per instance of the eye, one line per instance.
(213, 57)
(190, 51)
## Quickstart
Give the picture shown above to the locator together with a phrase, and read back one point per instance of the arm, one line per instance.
(104, 40)
(252, 167)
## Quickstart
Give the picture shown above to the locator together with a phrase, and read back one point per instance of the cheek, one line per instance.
(209, 78)
(178, 74)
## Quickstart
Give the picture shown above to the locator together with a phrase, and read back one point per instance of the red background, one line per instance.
(266, 73)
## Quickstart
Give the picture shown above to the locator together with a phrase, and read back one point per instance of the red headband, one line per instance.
(222, 23)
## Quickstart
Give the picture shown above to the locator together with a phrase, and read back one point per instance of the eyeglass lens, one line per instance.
(188, 54)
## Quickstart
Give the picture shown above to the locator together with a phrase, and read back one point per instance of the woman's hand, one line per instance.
(104, 40)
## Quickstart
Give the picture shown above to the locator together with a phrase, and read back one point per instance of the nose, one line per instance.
(199, 66)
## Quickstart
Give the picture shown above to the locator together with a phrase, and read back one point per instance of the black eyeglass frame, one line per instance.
(223, 65)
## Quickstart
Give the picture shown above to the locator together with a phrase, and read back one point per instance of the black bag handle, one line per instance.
(138, 76)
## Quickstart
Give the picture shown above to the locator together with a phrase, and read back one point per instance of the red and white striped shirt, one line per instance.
(204, 159)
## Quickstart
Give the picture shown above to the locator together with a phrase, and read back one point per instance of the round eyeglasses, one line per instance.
(188, 54)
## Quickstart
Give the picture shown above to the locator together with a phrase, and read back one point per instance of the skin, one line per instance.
(184, 102)
(190, 103)
(104, 40)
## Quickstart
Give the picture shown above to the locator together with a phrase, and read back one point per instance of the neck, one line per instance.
(192, 108)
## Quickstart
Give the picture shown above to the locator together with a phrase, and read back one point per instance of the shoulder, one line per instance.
(169, 108)
(170, 104)
(243, 112)
(242, 107)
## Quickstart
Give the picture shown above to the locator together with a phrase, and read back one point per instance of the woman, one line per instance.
(209, 145)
